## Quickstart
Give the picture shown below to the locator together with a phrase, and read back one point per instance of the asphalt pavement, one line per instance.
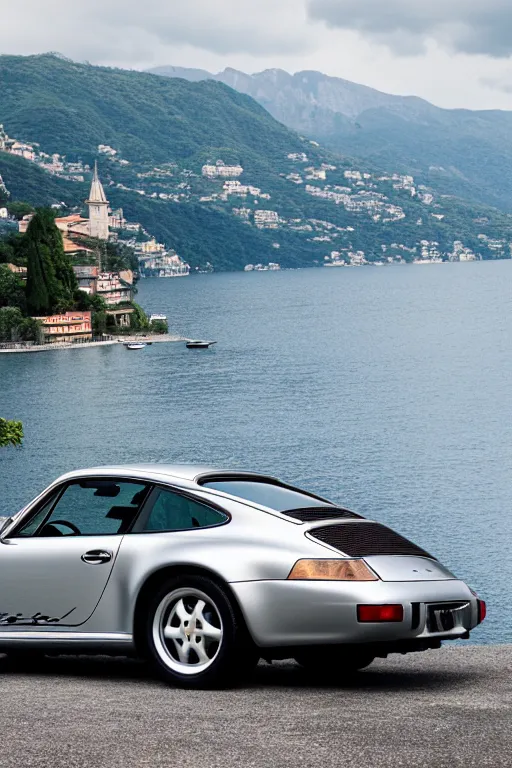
(440, 708)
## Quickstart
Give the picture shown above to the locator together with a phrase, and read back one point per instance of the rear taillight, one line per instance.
(379, 613)
(482, 610)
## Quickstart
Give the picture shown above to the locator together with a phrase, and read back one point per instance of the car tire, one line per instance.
(333, 662)
(195, 636)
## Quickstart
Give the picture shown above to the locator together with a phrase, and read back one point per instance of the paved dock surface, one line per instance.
(14, 348)
(441, 708)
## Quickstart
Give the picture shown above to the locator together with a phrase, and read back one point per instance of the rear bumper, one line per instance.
(297, 613)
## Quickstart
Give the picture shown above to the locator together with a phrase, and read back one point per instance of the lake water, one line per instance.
(387, 390)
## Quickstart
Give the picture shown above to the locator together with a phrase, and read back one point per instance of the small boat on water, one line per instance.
(200, 344)
(135, 345)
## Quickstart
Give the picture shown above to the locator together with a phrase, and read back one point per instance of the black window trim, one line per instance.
(57, 490)
(137, 527)
(61, 489)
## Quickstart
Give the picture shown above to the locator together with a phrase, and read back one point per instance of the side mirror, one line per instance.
(4, 524)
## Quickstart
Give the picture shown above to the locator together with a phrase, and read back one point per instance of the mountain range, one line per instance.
(209, 172)
(457, 151)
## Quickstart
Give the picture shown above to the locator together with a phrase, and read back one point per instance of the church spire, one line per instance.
(97, 193)
(98, 208)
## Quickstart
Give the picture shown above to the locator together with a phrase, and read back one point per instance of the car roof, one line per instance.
(186, 476)
(189, 473)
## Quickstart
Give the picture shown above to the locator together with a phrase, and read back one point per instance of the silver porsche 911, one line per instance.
(204, 572)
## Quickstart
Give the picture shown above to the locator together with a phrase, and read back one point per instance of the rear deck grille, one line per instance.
(365, 539)
(308, 515)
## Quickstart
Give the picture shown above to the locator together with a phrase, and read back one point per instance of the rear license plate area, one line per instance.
(444, 617)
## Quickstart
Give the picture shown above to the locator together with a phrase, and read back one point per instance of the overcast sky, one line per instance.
(455, 53)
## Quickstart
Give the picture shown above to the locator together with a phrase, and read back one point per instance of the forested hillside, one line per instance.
(212, 174)
(457, 151)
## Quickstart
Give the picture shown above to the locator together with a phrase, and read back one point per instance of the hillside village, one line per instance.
(368, 202)
(154, 259)
(105, 291)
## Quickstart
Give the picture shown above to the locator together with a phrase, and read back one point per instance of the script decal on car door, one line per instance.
(38, 619)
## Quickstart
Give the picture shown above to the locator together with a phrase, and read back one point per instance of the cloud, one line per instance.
(405, 26)
(502, 83)
(114, 30)
(342, 38)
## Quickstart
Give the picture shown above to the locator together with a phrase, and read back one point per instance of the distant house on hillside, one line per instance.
(20, 271)
(23, 150)
(220, 170)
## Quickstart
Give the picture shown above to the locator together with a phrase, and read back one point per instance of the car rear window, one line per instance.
(267, 494)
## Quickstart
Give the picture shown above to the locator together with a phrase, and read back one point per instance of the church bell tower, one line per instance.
(98, 208)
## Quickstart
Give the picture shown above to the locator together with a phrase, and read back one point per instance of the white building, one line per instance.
(222, 171)
(266, 219)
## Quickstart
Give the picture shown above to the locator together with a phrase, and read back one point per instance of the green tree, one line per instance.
(139, 321)
(99, 323)
(15, 327)
(11, 433)
(159, 326)
(4, 196)
(6, 252)
(11, 250)
(12, 289)
(119, 257)
(51, 282)
(19, 209)
(87, 302)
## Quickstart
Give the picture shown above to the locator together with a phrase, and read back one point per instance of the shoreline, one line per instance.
(155, 339)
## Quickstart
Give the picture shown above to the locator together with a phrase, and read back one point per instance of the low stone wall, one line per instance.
(22, 347)
(16, 348)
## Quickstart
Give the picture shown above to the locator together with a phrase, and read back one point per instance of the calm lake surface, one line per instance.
(387, 390)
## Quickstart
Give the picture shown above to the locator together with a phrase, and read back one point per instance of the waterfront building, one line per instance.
(69, 326)
(150, 246)
(113, 289)
(163, 265)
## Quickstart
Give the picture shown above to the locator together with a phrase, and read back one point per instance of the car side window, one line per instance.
(90, 508)
(31, 527)
(173, 512)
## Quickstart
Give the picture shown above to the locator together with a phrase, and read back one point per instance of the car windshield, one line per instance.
(267, 494)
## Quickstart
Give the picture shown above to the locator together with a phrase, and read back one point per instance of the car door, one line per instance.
(55, 565)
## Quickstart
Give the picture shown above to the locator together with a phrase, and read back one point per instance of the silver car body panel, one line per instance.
(89, 605)
(316, 613)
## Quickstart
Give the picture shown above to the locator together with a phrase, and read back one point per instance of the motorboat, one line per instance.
(135, 345)
(200, 344)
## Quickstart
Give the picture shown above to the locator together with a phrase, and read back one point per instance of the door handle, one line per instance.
(96, 557)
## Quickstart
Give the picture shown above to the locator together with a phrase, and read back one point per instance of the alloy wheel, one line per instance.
(187, 631)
